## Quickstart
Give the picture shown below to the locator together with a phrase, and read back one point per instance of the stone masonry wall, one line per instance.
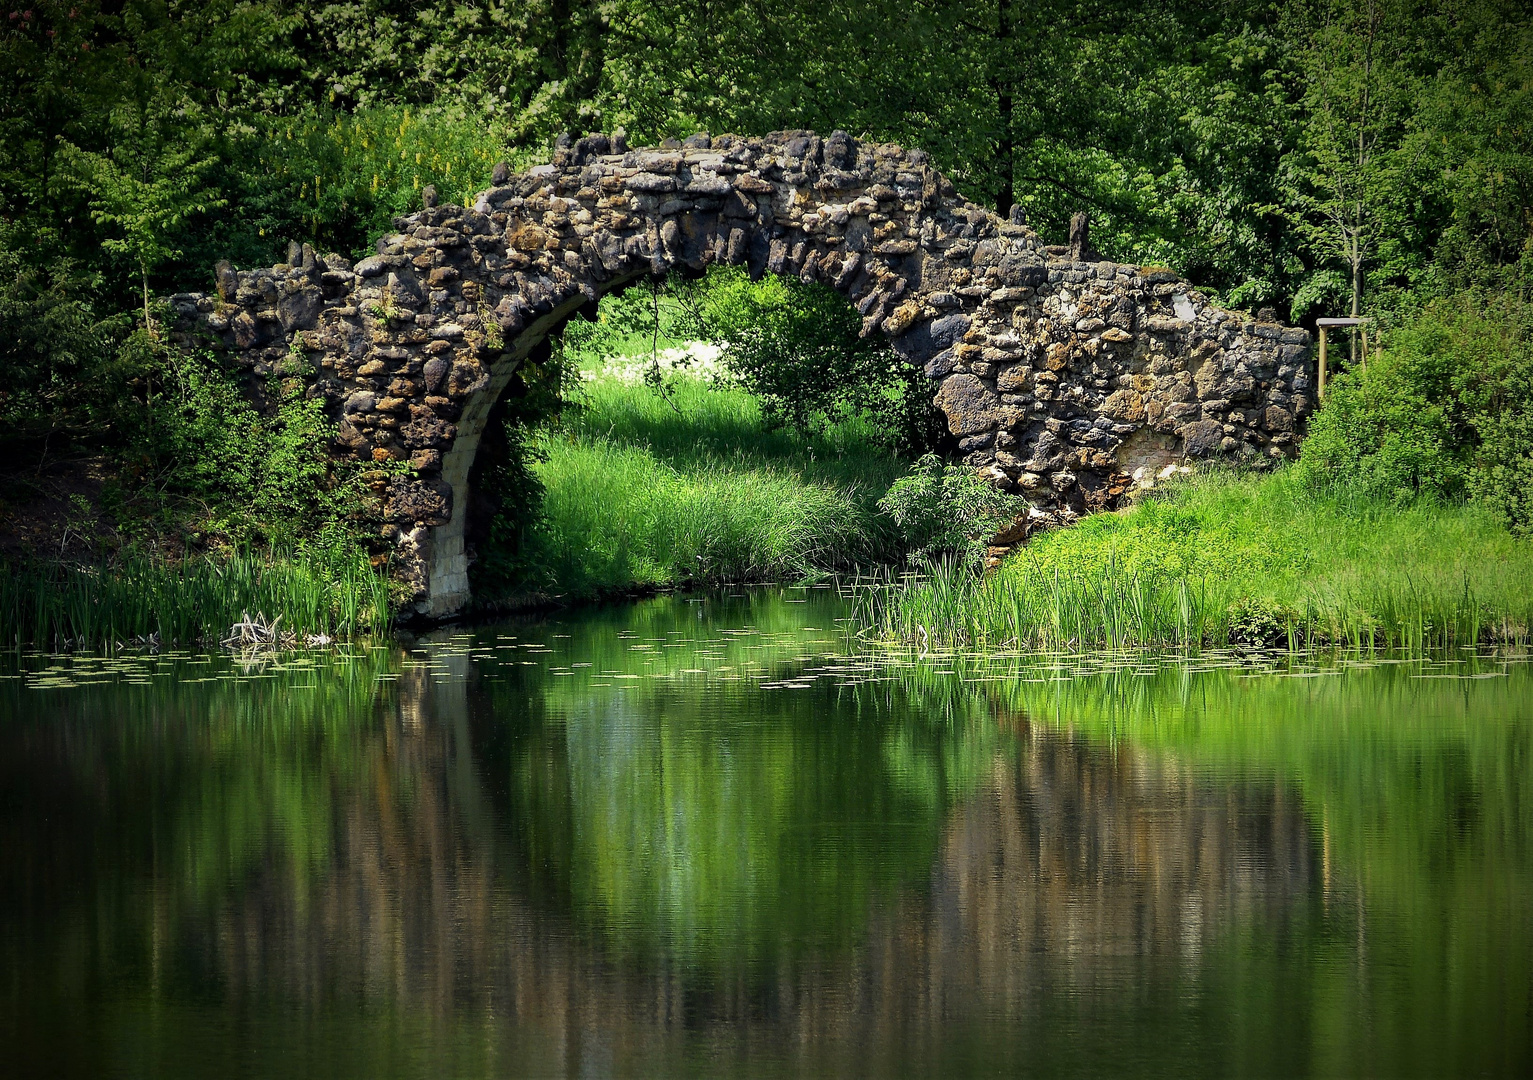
(1063, 377)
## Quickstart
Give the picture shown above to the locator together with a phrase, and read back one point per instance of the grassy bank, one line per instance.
(1224, 559)
(198, 600)
(644, 490)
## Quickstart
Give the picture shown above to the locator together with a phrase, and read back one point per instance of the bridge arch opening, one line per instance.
(653, 363)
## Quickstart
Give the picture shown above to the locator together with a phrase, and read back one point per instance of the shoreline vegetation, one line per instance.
(658, 471)
(1215, 560)
(246, 598)
(1222, 559)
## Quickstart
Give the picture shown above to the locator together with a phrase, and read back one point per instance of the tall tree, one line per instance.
(1357, 60)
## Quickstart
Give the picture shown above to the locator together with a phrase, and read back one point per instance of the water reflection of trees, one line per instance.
(1070, 871)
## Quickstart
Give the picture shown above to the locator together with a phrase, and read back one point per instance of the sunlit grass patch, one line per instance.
(646, 489)
(1225, 559)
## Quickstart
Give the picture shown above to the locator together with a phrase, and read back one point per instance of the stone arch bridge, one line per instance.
(1061, 375)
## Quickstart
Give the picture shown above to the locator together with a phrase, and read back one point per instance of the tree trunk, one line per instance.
(1357, 291)
(1005, 195)
(143, 277)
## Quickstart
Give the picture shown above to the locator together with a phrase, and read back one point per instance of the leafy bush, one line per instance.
(1256, 620)
(945, 509)
(1502, 477)
(1388, 431)
(200, 443)
(1445, 411)
(798, 347)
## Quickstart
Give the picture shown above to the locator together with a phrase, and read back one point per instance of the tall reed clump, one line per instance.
(80, 606)
(1229, 560)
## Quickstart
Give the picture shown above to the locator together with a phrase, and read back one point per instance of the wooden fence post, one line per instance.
(1320, 393)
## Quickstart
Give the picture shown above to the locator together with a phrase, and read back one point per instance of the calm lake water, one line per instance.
(712, 837)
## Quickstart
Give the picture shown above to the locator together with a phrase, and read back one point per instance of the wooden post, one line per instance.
(1323, 325)
(1364, 331)
(1320, 392)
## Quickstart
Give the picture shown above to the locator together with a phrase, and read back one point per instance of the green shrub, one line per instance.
(1445, 411)
(1255, 620)
(202, 453)
(947, 510)
(1502, 476)
(1382, 435)
(798, 347)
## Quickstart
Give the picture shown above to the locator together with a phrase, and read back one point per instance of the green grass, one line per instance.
(73, 606)
(648, 491)
(1224, 559)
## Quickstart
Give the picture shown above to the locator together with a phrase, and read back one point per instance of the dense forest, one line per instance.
(1316, 157)
(1286, 154)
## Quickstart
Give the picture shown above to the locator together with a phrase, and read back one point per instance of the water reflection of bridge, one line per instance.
(1079, 873)
(1080, 881)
